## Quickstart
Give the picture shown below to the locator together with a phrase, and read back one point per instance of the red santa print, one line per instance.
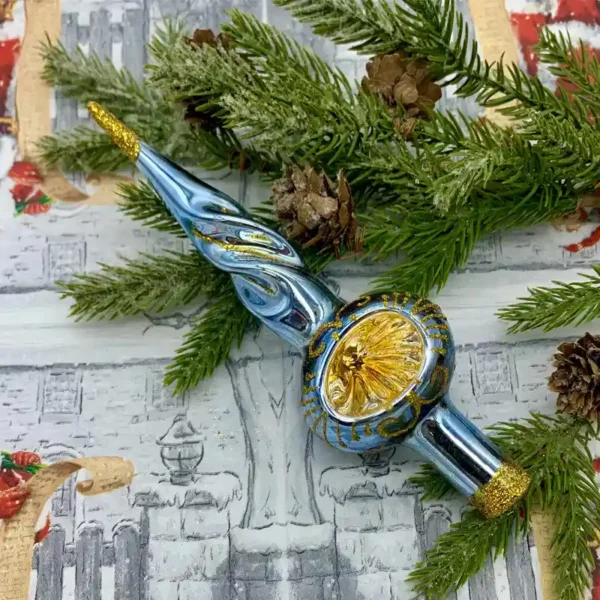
(28, 198)
(9, 53)
(579, 19)
(15, 470)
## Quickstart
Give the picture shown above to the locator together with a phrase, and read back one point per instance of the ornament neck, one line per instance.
(267, 272)
(468, 460)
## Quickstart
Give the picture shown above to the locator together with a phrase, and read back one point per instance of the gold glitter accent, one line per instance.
(325, 433)
(441, 351)
(338, 433)
(309, 389)
(508, 485)
(309, 376)
(433, 316)
(363, 301)
(238, 248)
(418, 306)
(405, 302)
(336, 336)
(353, 433)
(438, 336)
(315, 352)
(386, 300)
(440, 326)
(373, 364)
(122, 136)
(430, 306)
(313, 425)
(309, 401)
(416, 402)
(353, 318)
(368, 429)
(312, 411)
(261, 237)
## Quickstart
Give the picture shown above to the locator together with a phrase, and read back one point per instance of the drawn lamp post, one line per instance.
(187, 520)
(181, 450)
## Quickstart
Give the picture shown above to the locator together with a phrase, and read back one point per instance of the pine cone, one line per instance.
(315, 213)
(205, 118)
(400, 80)
(577, 377)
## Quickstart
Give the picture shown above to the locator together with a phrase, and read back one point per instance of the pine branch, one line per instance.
(549, 308)
(81, 149)
(372, 28)
(208, 344)
(462, 552)
(575, 66)
(434, 485)
(555, 452)
(435, 31)
(553, 449)
(250, 88)
(90, 78)
(140, 201)
(149, 283)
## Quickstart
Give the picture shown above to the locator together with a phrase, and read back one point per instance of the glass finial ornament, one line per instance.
(377, 369)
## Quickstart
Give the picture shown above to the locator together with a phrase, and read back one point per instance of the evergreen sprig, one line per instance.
(140, 201)
(463, 551)
(553, 449)
(552, 307)
(429, 201)
(148, 283)
(251, 89)
(370, 27)
(209, 342)
(81, 149)
(435, 31)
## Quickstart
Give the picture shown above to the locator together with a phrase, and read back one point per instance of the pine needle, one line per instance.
(81, 149)
(553, 450)
(140, 201)
(552, 307)
(149, 283)
(208, 344)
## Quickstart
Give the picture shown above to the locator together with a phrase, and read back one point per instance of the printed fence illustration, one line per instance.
(91, 568)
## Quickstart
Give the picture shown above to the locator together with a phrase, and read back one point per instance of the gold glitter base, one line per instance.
(508, 485)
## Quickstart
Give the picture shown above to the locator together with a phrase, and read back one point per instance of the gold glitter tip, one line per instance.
(508, 485)
(123, 137)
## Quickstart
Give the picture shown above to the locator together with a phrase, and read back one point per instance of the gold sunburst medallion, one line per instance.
(374, 362)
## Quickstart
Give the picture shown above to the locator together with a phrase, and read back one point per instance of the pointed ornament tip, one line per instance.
(122, 136)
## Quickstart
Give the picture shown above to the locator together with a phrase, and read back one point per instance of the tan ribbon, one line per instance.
(496, 38)
(17, 534)
(33, 107)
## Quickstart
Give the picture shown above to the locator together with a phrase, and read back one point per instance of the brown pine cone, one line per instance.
(205, 118)
(577, 377)
(400, 80)
(315, 213)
